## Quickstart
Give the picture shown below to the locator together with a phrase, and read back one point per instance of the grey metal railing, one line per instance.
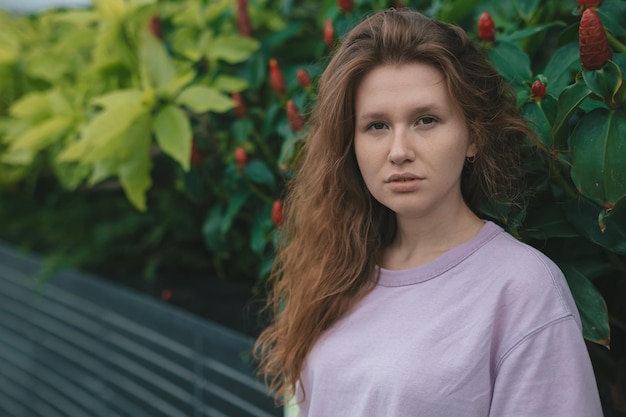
(78, 346)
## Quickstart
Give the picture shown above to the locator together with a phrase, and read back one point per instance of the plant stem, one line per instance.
(615, 43)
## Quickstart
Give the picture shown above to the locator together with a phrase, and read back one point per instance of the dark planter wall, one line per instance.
(79, 346)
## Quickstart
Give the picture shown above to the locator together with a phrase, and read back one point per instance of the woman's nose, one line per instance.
(400, 148)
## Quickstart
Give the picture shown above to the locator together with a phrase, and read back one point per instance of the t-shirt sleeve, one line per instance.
(548, 373)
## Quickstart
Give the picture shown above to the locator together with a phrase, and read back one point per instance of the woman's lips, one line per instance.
(403, 182)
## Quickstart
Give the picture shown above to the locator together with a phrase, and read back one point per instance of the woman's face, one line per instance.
(411, 139)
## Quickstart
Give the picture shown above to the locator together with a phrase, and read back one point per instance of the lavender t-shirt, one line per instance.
(487, 329)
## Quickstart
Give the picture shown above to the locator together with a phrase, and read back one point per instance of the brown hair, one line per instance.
(335, 231)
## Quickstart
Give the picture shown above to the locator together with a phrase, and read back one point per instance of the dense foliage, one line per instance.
(141, 138)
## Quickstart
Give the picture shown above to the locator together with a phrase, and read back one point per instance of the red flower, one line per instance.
(241, 158)
(594, 45)
(293, 115)
(303, 78)
(486, 27)
(277, 212)
(196, 156)
(240, 107)
(243, 19)
(155, 26)
(583, 4)
(166, 294)
(538, 89)
(277, 79)
(329, 33)
(345, 5)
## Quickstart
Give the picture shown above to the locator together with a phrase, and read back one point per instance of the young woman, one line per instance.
(391, 297)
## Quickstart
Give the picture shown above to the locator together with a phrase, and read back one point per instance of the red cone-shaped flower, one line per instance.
(486, 27)
(303, 78)
(243, 19)
(594, 45)
(538, 89)
(293, 115)
(240, 107)
(277, 212)
(277, 80)
(329, 33)
(345, 5)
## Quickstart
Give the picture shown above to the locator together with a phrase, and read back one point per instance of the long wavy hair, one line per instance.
(334, 231)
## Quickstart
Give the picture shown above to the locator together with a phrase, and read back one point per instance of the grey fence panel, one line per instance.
(80, 346)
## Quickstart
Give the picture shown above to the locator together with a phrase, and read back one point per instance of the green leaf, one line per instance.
(117, 98)
(212, 230)
(605, 82)
(613, 15)
(99, 136)
(546, 222)
(510, 61)
(231, 48)
(529, 31)
(230, 84)
(259, 172)
(568, 102)
(201, 99)
(135, 166)
(583, 215)
(598, 155)
(593, 311)
(173, 87)
(241, 130)
(537, 119)
(156, 63)
(261, 228)
(234, 205)
(42, 135)
(31, 106)
(173, 134)
(564, 63)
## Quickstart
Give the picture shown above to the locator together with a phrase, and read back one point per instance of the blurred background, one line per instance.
(149, 142)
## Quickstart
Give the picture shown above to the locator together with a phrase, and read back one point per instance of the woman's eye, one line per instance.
(426, 120)
(376, 126)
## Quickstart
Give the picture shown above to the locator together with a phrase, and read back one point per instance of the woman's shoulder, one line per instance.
(526, 279)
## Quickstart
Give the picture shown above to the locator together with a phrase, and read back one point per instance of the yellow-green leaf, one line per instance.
(173, 134)
(134, 170)
(31, 106)
(100, 137)
(173, 87)
(200, 99)
(230, 84)
(117, 98)
(156, 63)
(231, 48)
(42, 135)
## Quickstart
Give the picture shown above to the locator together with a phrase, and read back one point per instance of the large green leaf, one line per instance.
(548, 221)
(259, 172)
(200, 99)
(583, 215)
(598, 155)
(538, 120)
(32, 106)
(568, 102)
(561, 67)
(510, 61)
(116, 98)
(605, 82)
(99, 138)
(235, 203)
(593, 311)
(613, 15)
(135, 165)
(155, 61)
(42, 134)
(231, 48)
(230, 84)
(173, 133)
